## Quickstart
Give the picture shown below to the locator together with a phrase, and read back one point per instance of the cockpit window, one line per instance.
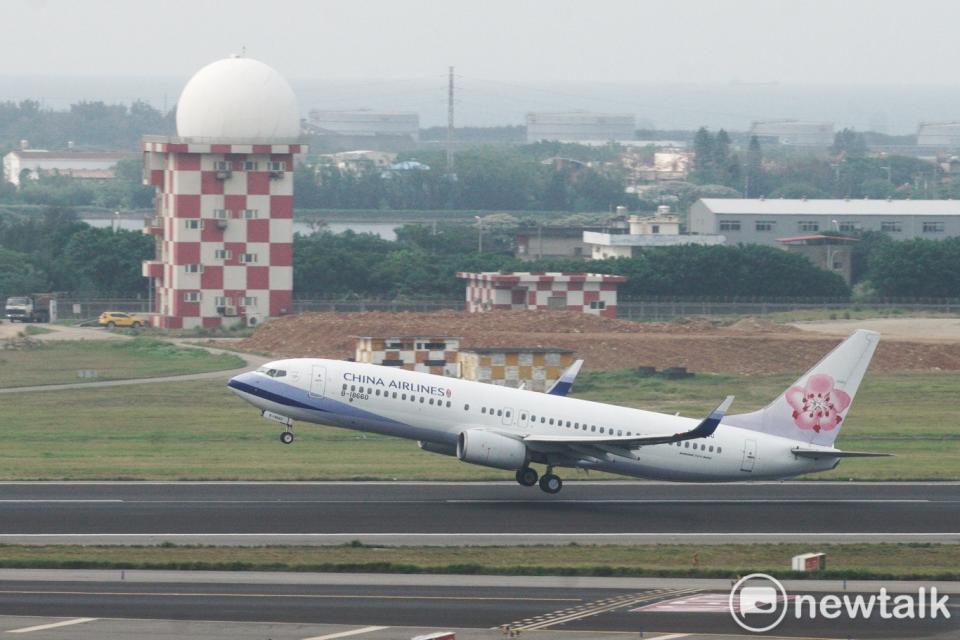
(273, 373)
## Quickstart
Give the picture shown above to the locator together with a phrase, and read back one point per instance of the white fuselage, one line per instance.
(436, 409)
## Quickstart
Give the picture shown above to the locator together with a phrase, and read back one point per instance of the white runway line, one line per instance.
(53, 625)
(671, 636)
(346, 634)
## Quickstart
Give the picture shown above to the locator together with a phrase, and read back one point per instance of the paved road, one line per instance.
(476, 513)
(380, 611)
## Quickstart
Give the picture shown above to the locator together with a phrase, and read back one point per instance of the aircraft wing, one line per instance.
(621, 444)
(563, 385)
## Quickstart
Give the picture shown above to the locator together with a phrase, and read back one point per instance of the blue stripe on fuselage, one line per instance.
(291, 396)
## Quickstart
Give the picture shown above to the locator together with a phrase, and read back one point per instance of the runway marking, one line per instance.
(672, 501)
(501, 534)
(58, 501)
(345, 634)
(54, 625)
(593, 608)
(670, 636)
(313, 596)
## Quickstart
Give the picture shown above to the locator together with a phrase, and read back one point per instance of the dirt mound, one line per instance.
(749, 346)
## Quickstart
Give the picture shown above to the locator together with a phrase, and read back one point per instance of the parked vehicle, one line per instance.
(111, 319)
(32, 308)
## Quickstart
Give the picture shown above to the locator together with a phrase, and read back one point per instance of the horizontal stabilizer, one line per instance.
(817, 454)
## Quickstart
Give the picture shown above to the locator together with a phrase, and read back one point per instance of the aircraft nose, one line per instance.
(240, 382)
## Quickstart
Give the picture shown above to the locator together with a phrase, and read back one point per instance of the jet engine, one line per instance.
(490, 449)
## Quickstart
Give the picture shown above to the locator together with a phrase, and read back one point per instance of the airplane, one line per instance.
(510, 429)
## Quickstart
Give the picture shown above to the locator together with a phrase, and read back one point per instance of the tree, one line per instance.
(755, 184)
(849, 143)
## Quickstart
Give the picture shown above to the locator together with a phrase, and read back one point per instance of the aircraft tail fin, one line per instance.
(812, 410)
(563, 385)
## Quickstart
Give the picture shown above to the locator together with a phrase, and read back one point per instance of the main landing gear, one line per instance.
(286, 437)
(549, 482)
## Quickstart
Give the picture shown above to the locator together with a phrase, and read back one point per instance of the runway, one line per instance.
(475, 513)
(322, 606)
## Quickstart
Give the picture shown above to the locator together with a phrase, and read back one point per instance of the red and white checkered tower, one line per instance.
(224, 211)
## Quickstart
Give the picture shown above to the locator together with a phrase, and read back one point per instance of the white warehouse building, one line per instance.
(763, 220)
(939, 134)
(580, 126)
(794, 132)
(366, 123)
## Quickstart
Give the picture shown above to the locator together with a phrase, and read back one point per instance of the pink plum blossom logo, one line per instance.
(817, 405)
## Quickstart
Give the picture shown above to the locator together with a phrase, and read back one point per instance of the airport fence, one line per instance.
(646, 310)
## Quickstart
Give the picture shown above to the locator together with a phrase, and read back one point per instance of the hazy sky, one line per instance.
(686, 41)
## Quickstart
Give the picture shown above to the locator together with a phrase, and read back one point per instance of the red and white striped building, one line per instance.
(594, 293)
(224, 207)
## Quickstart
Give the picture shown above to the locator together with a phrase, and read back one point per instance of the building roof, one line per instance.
(813, 238)
(514, 277)
(835, 207)
(515, 350)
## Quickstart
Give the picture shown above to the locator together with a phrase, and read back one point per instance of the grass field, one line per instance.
(58, 362)
(903, 561)
(199, 430)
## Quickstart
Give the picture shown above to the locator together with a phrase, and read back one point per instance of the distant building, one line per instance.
(794, 132)
(661, 230)
(763, 220)
(76, 164)
(534, 368)
(550, 242)
(580, 126)
(666, 166)
(939, 134)
(427, 354)
(594, 293)
(830, 253)
(361, 123)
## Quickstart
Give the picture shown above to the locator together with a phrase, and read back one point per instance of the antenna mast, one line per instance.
(450, 124)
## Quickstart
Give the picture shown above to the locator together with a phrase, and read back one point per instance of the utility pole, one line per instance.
(450, 124)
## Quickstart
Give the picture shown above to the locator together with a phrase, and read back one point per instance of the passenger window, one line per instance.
(377, 392)
(719, 449)
(568, 424)
(508, 414)
(448, 404)
(551, 421)
(523, 416)
(593, 428)
(466, 407)
(542, 419)
(344, 386)
(711, 448)
(576, 425)
(404, 397)
(394, 395)
(686, 445)
(421, 399)
(499, 412)
(431, 401)
(353, 387)
(703, 447)
(619, 433)
(483, 409)
(601, 429)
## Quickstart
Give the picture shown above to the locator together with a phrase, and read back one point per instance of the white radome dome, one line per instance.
(238, 99)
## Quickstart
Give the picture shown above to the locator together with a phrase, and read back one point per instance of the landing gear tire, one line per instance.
(550, 483)
(286, 437)
(527, 476)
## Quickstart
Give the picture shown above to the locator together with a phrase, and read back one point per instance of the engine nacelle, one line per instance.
(436, 447)
(489, 449)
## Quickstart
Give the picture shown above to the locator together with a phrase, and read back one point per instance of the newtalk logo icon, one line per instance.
(759, 603)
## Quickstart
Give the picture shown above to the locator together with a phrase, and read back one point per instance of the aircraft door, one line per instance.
(749, 455)
(318, 380)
